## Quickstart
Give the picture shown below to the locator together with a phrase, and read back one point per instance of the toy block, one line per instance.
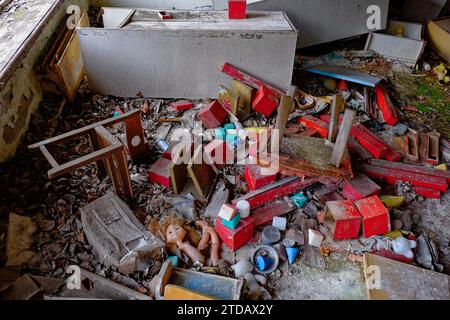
(275, 191)
(176, 293)
(182, 105)
(245, 94)
(264, 215)
(411, 168)
(159, 173)
(359, 188)
(375, 216)
(316, 124)
(345, 219)
(258, 177)
(233, 223)
(237, 9)
(202, 174)
(213, 115)
(229, 100)
(315, 238)
(265, 101)
(227, 212)
(387, 108)
(417, 179)
(428, 193)
(432, 148)
(235, 239)
(219, 153)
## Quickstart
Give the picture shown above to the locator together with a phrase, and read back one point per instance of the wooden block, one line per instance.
(275, 191)
(433, 148)
(177, 171)
(237, 9)
(182, 105)
(202, 174)
(346, 219)
(417, 179)
(387, 108)
(159, 172)
(359, 188)
(311, 122)
(376, 220)
(219, 153)
(334, 123)
(245, 94)
(265, 101)
(213, 115)
(229, 100)
(235, 239)
(264, 215)
(258, 177)
(227, 212)
(177, 293)
(220, 197)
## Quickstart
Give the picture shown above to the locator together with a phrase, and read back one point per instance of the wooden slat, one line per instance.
(48, 156)
(341, 141)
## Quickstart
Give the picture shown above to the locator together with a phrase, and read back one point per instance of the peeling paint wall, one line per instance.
(21, 94)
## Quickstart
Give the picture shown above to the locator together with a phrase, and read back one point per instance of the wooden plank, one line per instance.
(334, 123)
(417, 179)
(248, 79)
(85, 130)
(178, 171)
(275, 191)
(81, 162)
(265, 215)
(177, 293)
(341, 143)
(135, 138)
(411, 168)
(284, 109)
(202, 174)
(220, 197)
(400, 281)
(48, 156)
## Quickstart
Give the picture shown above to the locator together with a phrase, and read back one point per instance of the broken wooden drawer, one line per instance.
(117, 237)
(181, 57)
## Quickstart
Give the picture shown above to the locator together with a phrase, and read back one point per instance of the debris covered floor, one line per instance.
(314, 228)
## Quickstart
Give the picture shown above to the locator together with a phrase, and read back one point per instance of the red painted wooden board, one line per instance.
(275, 191)
(213, 115)
(235, 239)
(376, 220)
(253, 82)
(412, 168)
(265, 215)
(428, 193)
(418, 180)
(182, 105)
(255, 177)
(314, 123)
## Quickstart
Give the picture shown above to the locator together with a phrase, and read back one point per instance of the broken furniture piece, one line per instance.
(108, 152)
(63, 64)
(204, 284)
(117, 237)
(211, 40)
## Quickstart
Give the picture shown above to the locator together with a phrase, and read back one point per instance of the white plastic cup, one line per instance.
(243, 207)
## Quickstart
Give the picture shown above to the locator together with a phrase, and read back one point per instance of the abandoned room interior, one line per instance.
(224, 150)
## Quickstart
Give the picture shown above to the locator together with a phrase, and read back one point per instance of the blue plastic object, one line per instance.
(299, 200)
(174, 260)
(233, 223)
(221, 134)
(263, 263)
(229, 126)
(292, 254)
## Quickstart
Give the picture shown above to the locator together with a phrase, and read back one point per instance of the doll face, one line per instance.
(175, 233)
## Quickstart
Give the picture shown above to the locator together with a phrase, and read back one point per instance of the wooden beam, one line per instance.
(49, 157)
(284, 109)
(334, 121)
(342, 139)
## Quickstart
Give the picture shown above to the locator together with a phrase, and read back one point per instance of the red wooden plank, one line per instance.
(411, 168)
(314, 123)
(392, 175)
(390, 114)
(265, 215)
(275, 191)
(248, 79)
(428, 193)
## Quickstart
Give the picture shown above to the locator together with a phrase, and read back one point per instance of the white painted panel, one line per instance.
(156, 4)
(182, 63)
(411, 30)
(114, 17)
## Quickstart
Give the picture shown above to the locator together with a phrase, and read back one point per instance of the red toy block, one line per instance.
(417, 179)
(182, 105)
(346, 219)
(235, 239)
(316, 124)
(275, 191)
(342, 85)
(258, 177)
(159, 172)
(237, 9)
(428, 193)
(219, 153)
(265, 101)
(213, 115)
(264, 215)
(390, 114)
(376, 220)
(359, 188)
